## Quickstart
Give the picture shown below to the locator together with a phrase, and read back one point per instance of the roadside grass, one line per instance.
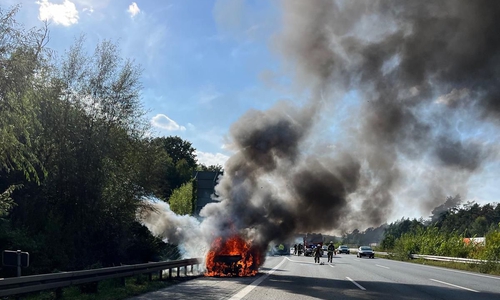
(484, 268)
(111, 289)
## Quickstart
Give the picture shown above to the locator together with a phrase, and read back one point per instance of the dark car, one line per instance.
(365, 251)
(343, 249)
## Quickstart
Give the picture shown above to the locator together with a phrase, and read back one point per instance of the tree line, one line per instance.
(445, 233)
(76, 157)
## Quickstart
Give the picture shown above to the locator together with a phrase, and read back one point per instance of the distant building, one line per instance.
(205, 188)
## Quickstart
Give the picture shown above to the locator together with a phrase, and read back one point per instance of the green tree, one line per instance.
(396, 229)
(91, 143)
(479, 227)
(212, 168)
(388, 242)
(179, 149)
(181, 201)
(22, 58)
(6, 202)
(183, 163)
(79, 121)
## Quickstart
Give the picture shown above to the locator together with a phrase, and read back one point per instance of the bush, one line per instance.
(405, 246)
(492, 247)
(430, 241)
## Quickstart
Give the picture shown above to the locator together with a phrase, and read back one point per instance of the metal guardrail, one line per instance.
(34, 283)
(446, 258)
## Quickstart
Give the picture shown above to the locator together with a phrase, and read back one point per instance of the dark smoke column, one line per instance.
(418, 68)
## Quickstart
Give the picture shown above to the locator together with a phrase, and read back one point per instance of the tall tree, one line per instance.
(184, 163)
(21, 60)
(78, 120)
(92, 146)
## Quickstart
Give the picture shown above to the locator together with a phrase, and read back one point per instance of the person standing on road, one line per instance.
(317, 253)
(331, 250)
(295, 249)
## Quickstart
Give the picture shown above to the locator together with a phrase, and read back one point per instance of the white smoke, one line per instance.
(185, 231)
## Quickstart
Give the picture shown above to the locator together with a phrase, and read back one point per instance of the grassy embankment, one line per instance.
(432, 241)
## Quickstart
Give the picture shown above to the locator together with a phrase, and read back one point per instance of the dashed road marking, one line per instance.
(450, 270)
(454, 285)
(383, 266)
(357, 284)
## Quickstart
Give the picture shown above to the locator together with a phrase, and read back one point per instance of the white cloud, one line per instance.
(164, 122)
(209, 159)
(133, 9)
(64, 14)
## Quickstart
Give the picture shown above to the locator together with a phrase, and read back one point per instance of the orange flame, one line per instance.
(232, 257)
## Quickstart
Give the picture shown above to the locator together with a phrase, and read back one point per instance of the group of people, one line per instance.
(317, 252)
(298, 249)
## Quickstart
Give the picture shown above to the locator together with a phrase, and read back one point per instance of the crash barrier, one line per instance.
(446, 258)
(34, 283)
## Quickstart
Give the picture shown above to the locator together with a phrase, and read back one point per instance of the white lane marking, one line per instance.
(383, 267)
(357, 284)
(254, 284)
(449, 270)
(332, 266)
(454, 285)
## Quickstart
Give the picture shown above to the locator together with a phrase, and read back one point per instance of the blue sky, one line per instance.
(207, 62)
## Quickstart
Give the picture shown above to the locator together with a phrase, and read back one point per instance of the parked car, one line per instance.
(365, 251)
(343, 249)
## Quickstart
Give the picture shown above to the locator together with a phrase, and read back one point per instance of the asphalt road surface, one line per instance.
(348, 277)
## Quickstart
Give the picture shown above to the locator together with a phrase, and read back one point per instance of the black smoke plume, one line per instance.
(418, 69)
(425, 76)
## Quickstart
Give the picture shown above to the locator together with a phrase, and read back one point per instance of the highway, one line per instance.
(348, 277)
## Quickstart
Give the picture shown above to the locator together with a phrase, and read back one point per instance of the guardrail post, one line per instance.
(161, 275)
(185, 271)
(18, 263)
(170, 273)
(192, 272)
(178, 271)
